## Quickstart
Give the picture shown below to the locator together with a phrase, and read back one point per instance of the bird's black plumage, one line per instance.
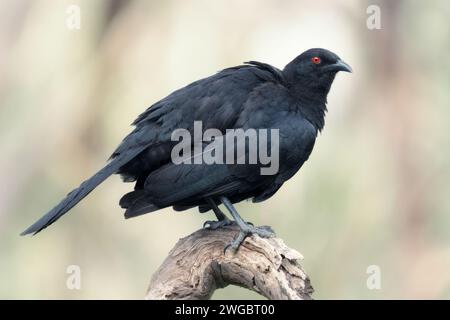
(254, 95)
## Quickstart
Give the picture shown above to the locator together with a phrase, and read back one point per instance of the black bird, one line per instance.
(254, 95)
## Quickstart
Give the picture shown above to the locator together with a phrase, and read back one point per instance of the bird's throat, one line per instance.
(312, 103)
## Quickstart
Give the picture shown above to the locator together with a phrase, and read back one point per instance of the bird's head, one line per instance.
(312, 73)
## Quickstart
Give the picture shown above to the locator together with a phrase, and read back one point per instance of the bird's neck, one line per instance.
(312, 103)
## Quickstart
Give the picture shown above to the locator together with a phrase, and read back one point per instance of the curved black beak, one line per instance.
(340, 66)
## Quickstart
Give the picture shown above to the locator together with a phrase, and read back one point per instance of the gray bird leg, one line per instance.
(246, 228)
(222, 219)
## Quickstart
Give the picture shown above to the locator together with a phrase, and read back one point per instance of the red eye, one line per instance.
(316, 60)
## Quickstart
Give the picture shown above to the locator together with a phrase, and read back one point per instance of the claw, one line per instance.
(226, 248)
(213, 225)
(263, 232)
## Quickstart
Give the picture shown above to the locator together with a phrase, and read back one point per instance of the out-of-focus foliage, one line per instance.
(374, 192)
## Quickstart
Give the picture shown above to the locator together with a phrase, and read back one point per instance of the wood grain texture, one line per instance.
(197, 266)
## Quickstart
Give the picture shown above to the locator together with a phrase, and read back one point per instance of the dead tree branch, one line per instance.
(197, 266)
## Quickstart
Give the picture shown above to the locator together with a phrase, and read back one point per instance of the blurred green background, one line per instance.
(376, 190)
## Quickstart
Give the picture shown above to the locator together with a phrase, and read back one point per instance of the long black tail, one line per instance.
(79, 193)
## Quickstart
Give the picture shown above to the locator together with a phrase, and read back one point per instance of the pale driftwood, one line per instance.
(197, 266)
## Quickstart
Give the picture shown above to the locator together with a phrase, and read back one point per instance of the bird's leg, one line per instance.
(222, 219)
(246, 228)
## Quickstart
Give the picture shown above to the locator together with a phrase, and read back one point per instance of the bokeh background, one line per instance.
(376, 190)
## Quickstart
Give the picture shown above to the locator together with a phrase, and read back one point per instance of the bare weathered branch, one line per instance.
(197, 266)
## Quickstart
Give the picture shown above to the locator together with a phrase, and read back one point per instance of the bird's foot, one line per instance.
(213, 225)
(263, 232)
